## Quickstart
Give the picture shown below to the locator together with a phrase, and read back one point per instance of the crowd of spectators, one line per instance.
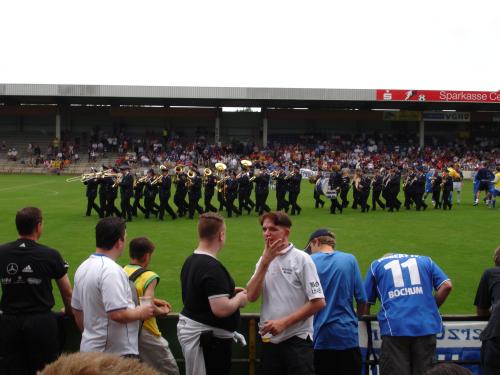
(348, 150)
(362, 151)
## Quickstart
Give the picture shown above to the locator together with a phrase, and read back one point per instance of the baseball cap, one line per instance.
(323, 232)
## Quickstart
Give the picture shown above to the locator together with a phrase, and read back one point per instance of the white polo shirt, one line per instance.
(291, 280)
(101, 286)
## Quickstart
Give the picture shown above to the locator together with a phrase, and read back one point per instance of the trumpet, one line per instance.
(118, 180)
(140, 180)
(156, 180)
(290, 175)
(274, 174)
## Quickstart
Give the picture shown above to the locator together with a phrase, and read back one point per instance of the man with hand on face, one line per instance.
(291, 294)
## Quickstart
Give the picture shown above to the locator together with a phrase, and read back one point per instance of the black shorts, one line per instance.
(292, 356)
(484, 186)
(28, 342)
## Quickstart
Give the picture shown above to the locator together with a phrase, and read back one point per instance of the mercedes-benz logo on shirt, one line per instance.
(12, 268)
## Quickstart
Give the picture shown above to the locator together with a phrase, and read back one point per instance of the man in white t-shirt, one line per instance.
(102, 299)
(291, 294)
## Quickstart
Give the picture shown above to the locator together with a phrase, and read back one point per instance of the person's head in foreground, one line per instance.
(94, 363)
(321, 239)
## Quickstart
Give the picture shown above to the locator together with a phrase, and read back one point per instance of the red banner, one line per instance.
(438, 96)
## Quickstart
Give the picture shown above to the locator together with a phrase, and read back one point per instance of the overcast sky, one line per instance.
(429, 44)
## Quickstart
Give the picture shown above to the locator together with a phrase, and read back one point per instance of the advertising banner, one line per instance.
(402, 115)
(438, 96)
(459, 341)
(446, 116)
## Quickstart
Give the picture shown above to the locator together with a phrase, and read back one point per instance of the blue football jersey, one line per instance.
(404, 284)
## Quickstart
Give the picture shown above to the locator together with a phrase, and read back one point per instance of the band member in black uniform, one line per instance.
(220, 193)
(317, 196)
(250, 202)
(180, 194)
(139, 184)
(364, 191)
(230, 191)
(281, 190)
(244, 185)
(210, 184)
(344, 188)
(111, 195)
(164, 189)
(408, 188)
(355, 189)
(294, 181)
(92, 186)
(391, 190)
(335, 183)
(447, 186)
(103, 194)
(377, 183)
(436, 190)
(126, 192)
(419, 189)
(150, 192)
(194, 193)
(261, 191)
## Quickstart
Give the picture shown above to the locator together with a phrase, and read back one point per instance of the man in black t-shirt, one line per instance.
(210, 316)
(487, 303)
(28, 339)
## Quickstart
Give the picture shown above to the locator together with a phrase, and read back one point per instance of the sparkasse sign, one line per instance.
(438, 96)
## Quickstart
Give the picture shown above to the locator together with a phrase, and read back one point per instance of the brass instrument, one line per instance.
(313, 178)
(190, 176)
(289, 175)
(178, 169)
(256, 174)
(274, 174)
(140, 180)
(156, 180)
(118, 180)
(88, 176)
(206, 173)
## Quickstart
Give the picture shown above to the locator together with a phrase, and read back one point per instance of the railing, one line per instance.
(246, 359)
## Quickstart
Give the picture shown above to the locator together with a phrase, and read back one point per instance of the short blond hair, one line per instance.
(97, 364)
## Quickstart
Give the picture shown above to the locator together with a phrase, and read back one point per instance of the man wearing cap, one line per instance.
(336, 344)
(411, 288)
(291, 294)
(126, 192)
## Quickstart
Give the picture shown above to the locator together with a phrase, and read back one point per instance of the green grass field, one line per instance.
(461, 241)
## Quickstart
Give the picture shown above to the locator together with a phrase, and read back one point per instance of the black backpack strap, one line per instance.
(138, 272)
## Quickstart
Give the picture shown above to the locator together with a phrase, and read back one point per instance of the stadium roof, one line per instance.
(248, 97)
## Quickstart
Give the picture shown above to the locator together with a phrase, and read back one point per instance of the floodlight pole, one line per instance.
(421, 133)
(58, 124)
(264, 128)
(217, 127)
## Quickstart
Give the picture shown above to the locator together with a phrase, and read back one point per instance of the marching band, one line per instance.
(234, 189)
